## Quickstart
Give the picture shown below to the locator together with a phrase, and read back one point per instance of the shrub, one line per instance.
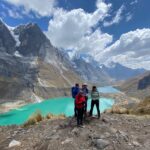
(33, 119)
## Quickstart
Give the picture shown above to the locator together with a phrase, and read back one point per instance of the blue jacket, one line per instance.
(74, 91)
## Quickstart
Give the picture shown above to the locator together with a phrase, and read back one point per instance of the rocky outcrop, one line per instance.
(7, 42)
(144, 83)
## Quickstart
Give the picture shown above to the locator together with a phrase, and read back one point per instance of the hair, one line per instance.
(94, 87)
(77, 84)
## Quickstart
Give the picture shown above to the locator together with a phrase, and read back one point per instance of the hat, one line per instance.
(84, 83)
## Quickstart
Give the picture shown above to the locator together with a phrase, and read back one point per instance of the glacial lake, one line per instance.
(61, 105)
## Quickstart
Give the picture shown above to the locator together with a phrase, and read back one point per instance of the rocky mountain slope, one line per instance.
(30, 67)
(138, 86)
(111, 132)
(89, 70)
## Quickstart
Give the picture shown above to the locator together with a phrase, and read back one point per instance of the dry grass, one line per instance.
(37, 117)
(33, 119)
(142, 108)
(117, 110)
(51, 116)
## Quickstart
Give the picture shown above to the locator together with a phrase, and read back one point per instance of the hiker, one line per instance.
(80, 104)
(95, 100)
(74, 91)
(85, 93)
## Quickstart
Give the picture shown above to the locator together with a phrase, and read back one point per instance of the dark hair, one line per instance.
(77, 84)
(93, 88)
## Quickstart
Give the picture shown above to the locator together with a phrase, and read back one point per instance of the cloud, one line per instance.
(40, 7)
(134, 2)
(132, 49)
(73, 29)
(14, 14)
(116, 19)
(128, 17)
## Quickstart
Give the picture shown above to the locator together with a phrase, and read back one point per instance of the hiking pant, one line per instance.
(85, 109)
(95, 102)
(75, 109)
(80, 116)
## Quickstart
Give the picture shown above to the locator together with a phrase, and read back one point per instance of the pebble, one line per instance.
(69, 140)
(135, 143)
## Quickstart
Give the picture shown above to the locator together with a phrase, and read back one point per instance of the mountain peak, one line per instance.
(31, 39)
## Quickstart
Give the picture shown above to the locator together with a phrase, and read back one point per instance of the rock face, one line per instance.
(31, 39)
(144, 83)
(7, 43)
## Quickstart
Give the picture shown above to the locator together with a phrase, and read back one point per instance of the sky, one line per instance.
(108, 30)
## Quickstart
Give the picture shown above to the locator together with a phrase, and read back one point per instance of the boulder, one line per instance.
(101, 143)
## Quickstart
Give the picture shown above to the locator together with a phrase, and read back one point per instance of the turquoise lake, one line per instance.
(62, 105)
(108, 89)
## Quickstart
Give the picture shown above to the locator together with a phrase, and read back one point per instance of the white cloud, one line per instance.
(134, 2)
(128, 17)
(14, 14)
(116, 19)
(40, 7)
(132, 49)
(73, 29)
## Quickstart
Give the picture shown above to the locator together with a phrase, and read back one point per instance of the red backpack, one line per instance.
(80, 101)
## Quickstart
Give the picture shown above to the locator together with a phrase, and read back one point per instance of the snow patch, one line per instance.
(15, 36)
(43, 83)
(17, 54)
(110, 64)
(36, 98)
(34, 62)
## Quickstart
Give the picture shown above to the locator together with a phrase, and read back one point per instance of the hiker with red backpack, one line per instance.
(80, 105)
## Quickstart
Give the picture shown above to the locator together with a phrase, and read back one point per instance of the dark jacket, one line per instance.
(74, 91)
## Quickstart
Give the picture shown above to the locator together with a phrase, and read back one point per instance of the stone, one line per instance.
(101, 143)
(135, 143)
(55, 137)
(75, 131)
(69, 140)
(14, 143)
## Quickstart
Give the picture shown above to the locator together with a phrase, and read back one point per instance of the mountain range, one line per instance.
(32, 69)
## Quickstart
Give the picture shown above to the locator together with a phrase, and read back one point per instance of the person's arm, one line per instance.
(98, 95)
(91, 95)
(72, 92)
